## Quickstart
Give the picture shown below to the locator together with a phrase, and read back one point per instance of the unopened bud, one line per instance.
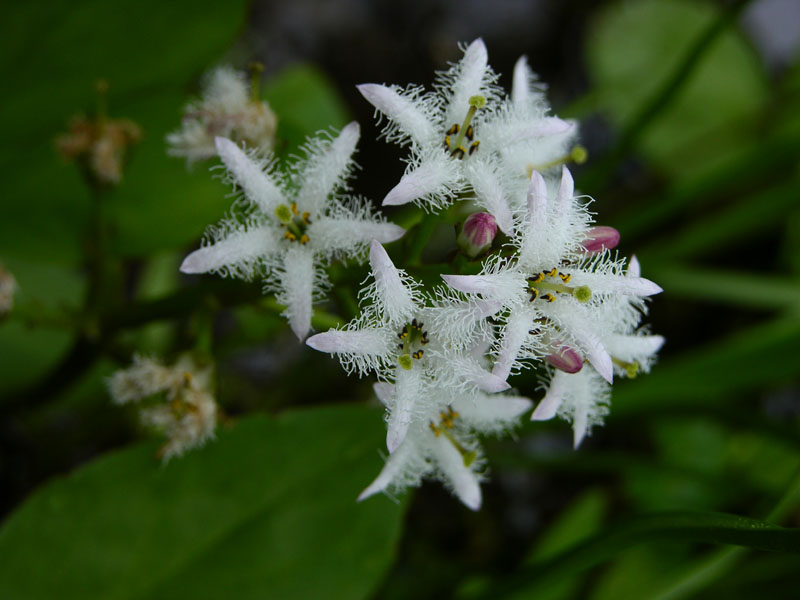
(477, 234)
(566, 359)
(600, 238)
(8, 286)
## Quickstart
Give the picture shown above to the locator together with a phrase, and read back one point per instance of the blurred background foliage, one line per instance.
(691, 114)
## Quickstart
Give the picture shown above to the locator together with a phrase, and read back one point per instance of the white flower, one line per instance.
(457, 133)
(8, 287)
(391, 339)
(442, 445)
(289, 230)
(552, 291)
(227, 109)
(188, 414)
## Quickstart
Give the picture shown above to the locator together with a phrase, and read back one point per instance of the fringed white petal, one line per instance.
(297, 289)
(384, 391)
(402, 110)
(394, 472)
(369, 342)
(236, 252)
(394, 297)
(326, 170)
(434, 176)
(460, 477)
(490, 414)
(514, 336)
(580, 422)
(539, 128)
(549, 405)
(258, 186)
(490, 195)
(634, 268)
(633, 348)
(333, 234)
(471, 73)
(602, 283)
(407, 391)
(503, 286)
(537, 203)
(521, 83)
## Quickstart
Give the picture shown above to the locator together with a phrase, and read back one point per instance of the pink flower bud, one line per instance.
(477, 234)
(567, 359)
(600, 238)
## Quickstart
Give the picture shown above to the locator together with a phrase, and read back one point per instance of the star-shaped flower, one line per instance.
(288, 230)
(456, 134)
(552, 290)
(391, 339)
(442, 443)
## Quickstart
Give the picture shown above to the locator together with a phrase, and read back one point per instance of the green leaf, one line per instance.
(148, 51)
(268, 510)
(713, 528)
(634, 47)
(750, 290)
(306, 102)
(744, 361)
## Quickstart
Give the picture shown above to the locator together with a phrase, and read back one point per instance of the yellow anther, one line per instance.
(290, 236)
(534, 295)
(306, 217)
(548, 297)
(304, 239)
(453, 414)
(565, 277)
(552, 272)
(295, 211)
(436, 431)
(536, 278)
(474, 146)
(417, 354)
(470, 133)
(453, 130)
(459, 152)
(447, 143)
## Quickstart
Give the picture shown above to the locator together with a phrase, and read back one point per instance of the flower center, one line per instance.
(456, 148)
(545, 284)
(413, 337)
(446, 423)
(294, 222)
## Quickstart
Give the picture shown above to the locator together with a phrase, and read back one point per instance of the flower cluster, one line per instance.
(555, 296)
(184, 408)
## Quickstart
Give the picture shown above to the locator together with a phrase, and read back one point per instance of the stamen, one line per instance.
(474, 146)
(577, 155)
(537, 283)
(447, 423)
(466, 129)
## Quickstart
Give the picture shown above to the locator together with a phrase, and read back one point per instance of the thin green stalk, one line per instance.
(422, 234)
(606, 167)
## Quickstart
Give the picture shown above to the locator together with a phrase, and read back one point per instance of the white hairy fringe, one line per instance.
(429, 103)
(307, 165)
(229, 228)
(346, 244)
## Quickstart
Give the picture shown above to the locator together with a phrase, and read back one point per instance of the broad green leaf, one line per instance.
(306, 102)
(29, 342)
(744, 361)
(750, 290)
(708, 528)
(634, 47)
(147, 51)
(265, 511)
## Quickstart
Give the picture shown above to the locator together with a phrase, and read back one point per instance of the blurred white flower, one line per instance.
(8, 287)
(229, 108)
(288, 230)
(187, 414)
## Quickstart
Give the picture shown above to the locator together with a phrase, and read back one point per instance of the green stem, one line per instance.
(422, 234)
